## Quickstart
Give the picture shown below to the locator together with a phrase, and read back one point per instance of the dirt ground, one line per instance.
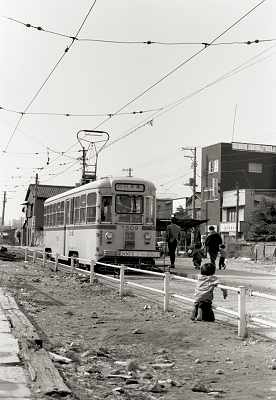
(129, 349)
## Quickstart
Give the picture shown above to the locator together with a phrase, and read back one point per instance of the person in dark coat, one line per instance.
(212, 244)
(172, 237)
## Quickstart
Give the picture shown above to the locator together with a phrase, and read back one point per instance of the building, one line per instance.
(189, 206)
(164, 208)
(234, 167)
(33, 211)
(248, 200)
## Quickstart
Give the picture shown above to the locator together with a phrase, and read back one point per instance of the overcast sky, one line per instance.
(100, 78)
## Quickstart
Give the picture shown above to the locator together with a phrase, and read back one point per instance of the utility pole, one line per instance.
(33, 236)
(192, 182)
(3, 208)
(129, 170)
(237, 210)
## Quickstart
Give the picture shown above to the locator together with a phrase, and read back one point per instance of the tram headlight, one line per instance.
(109, 237)
(147, 237)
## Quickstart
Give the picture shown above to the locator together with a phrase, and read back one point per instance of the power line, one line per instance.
(49, 75)
(141, 42)
(176, 103)
(186, 61)
(107, 114)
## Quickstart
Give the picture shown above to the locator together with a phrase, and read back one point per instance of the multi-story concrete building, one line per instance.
(231, 167)
(248, 200)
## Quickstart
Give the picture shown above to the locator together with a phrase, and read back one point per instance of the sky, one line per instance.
(203, 89)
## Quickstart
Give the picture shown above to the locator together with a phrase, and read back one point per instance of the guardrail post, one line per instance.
(34, 256)
(166, 290)
(242, 328)
(122, 281)
(56, 263)
(72, 264)
(44, 259)
(92, 271)
(26, 255)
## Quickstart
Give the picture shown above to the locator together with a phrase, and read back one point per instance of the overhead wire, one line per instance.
(107, 114)
(176, 103)
(157, 82)
(138, 42)
(49, 75)
(179, 66)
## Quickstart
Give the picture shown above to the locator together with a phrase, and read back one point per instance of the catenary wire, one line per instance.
(138, 42)
(240, 68)
(175, 69)
(110, 114)
(168, 74)
(178, 102)
(49, 75)
(184, 62)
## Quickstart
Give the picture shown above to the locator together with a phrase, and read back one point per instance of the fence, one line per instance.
(166, 292)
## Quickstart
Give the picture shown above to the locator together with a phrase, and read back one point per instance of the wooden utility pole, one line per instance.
(33, 236)
(193, 184)
(3, 208)
(237, 210)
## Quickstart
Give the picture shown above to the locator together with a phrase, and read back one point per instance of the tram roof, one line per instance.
(105, 182)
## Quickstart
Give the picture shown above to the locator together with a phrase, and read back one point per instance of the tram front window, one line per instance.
(129, 204)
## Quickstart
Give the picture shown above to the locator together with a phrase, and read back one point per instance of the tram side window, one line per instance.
(72, 211)
(82, 208)
(61, 213)
(91, 207)
(77, 210)
(106, 209)
(54, 210)
(67, 212)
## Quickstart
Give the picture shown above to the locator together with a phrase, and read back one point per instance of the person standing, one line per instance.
(206, 283)
(172, 237)
(212, 243)
(222, 258)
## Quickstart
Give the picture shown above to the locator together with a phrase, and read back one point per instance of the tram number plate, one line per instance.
(130, 253)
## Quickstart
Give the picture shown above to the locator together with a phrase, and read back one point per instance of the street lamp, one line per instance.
(93, 137)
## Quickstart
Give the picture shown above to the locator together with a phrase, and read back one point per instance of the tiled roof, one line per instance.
(46, 191)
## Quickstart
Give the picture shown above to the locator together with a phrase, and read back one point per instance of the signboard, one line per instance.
(130, 187)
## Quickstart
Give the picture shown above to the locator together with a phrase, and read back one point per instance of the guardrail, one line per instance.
(73, 267)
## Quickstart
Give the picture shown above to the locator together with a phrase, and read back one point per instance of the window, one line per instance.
(129, 204)
(213, 166)
(72, 203)
(149, 210)
(106, 209)
(82, 208)
(230, 215)
(77, 210)
(67, 212)
(91, 207)
(256, 168)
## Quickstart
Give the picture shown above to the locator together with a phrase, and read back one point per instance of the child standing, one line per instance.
(222, 252)
(205, 286)
(197, 255)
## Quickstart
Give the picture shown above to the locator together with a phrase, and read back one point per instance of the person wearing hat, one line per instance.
(172, 237)
(212, 244)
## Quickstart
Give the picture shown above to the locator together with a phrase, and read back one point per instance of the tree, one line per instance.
(262, 221)
(181, 212)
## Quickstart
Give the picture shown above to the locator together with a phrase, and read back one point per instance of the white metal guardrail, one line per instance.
(73, 267)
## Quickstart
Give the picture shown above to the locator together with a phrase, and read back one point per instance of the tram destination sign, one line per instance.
(130, 187)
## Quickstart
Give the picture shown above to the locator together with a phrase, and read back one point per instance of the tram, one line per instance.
(111, 220)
